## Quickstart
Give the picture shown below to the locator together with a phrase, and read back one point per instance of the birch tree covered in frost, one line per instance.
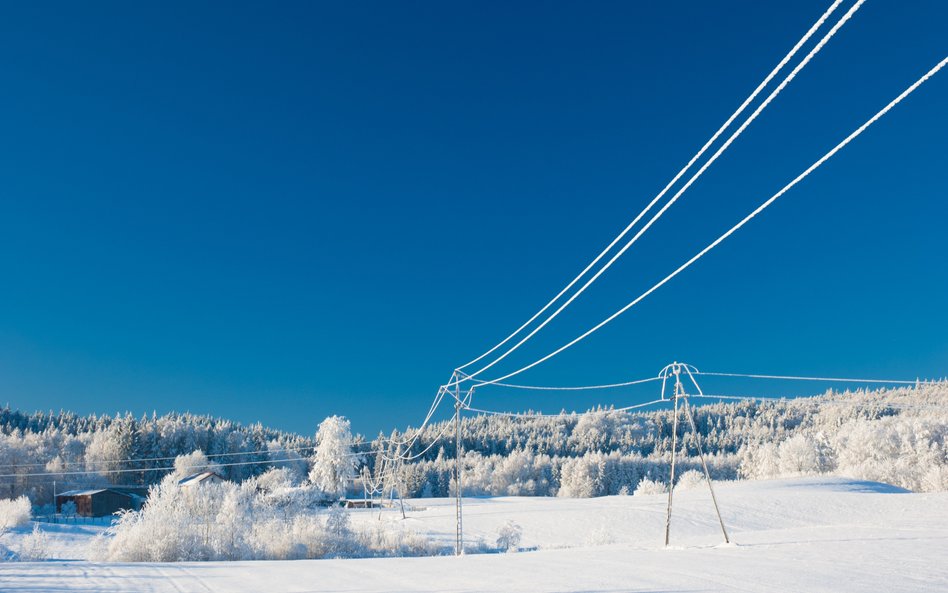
(334, 463)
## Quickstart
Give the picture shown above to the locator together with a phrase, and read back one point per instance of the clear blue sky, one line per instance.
(276, 212)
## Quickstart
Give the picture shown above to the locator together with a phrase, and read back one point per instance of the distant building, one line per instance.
(201, 478)
(99, 502)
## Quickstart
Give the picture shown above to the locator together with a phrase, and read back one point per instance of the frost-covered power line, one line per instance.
(435, 404)
(824, 379)
(172, 457)
(407, 456)
(697, 372)
(736, 227)
(54, 474)
(570, 388)
(460, 376)
(823, 401)
(565, 414)
(677, 177)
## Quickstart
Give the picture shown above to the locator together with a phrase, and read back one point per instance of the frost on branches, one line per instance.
(334, 463)
(508, 537)
(898, 436)
(63, 443)
(14, 512)
(195, 462)
(269, 517)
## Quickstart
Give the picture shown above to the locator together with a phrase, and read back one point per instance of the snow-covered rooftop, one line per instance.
(81, 492)
(199, 478)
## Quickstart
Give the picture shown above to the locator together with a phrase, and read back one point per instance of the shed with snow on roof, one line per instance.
(99, 502)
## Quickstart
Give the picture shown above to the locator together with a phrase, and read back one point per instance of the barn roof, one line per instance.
(81, 492)
(91, 491)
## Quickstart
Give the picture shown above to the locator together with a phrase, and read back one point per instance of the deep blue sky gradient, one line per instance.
(277, 211)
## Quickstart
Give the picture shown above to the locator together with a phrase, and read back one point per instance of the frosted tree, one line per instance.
(801, 454)
(577, 478)
(334, 464)
(899, 436)
(105, 451)
(508, 537)
(295, 464)
(194, 462)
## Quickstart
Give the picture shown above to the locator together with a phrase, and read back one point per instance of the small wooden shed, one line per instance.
(99, 502)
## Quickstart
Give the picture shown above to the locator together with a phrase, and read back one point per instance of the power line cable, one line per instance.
(813, 52)
(661, 194)
(171, 457)
(435, 404)
(153, 469)
(825, 379)
(409, 457)
(565, 414)
(733, 229)
(821, 401)
(575, 388)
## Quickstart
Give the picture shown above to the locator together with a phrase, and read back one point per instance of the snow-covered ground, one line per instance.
(63, 541)
(813, 534)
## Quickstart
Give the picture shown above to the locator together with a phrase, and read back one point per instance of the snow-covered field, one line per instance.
(812, 534)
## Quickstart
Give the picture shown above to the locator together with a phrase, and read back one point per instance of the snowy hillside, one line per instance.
(810, 534)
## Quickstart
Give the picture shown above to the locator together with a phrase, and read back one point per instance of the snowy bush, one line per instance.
(392, 540)
(258, 519)
(44, 510)
(935, 479)
(690, 479)
(68, 509)
(600, 537)
(890, 435)
(508, 536)
(14, 512)
(648, 486)
(35, 546)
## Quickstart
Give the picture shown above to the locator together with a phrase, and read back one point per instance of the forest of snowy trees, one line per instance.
(898, 436)
(64, 447)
